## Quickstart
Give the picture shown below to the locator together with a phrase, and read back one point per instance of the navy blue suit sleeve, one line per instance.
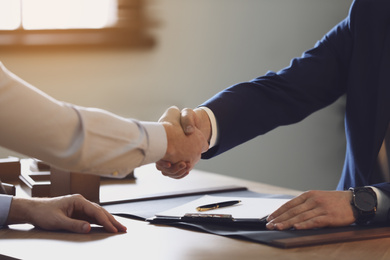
(311, 82)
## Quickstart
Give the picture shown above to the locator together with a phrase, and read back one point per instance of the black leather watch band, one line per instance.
(364, 201)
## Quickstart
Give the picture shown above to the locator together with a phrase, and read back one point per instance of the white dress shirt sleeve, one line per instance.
(5, 204)
(75, 138)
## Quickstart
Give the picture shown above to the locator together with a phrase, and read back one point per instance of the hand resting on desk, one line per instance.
(72, 213)
(314, 209)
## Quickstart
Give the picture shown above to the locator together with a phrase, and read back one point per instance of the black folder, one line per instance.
(145, 209)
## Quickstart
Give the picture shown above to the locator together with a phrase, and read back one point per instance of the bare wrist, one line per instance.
(18, 212)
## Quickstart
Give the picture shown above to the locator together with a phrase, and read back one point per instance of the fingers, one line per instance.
(187, 117)
(161, 164)
(177, 171)
(188, 120)
(315, 222)
(313, 218)
(292, 207)
(97, 214)
(289, 214)
(179, 175)
(73, 225)
(109, 223)
(74, 214)
(314, 209)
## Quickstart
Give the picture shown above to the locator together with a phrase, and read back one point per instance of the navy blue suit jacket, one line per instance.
(352, 59)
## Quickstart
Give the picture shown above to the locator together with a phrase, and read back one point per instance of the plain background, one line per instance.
(204, 46)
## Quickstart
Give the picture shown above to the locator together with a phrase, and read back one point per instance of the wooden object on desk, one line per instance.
(8, 189)
(9, 169)
(34, 181)
(40, 180)
(66, 182)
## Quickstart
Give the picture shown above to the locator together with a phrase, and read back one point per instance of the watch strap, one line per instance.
(363, 217)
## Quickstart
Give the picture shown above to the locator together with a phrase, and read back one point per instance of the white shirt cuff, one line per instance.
(5, 205)
(383, 205)
(214, 126)
(158, 141)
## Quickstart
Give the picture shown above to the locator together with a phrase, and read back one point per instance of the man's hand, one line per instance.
(314, 209)
(197, 118)
(183, 150)
(72, 213)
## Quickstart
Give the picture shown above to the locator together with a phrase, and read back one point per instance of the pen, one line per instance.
(217, 205)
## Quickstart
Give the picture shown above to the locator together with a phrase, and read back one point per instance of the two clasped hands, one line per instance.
(311, 209)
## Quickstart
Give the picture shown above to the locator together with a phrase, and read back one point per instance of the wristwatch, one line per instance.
(364, 202)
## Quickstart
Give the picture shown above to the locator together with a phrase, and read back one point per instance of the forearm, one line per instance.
(130, 144)
(73, 138)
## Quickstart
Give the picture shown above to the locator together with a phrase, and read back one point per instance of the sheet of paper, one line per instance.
(247, 208)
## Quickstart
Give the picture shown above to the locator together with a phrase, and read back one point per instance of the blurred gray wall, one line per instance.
(204, 46)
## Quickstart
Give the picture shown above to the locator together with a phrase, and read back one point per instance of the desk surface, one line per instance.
(144, 241)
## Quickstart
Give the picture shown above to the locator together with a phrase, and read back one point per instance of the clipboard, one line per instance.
(216, 219)
(145, 208)
(250, 212)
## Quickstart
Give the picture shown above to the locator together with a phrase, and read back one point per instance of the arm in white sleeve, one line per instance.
(5, 204)
(71, 137)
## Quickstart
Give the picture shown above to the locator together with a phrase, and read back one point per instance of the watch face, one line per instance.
(365, 201)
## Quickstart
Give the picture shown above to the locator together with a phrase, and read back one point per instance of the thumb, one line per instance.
(188, 120)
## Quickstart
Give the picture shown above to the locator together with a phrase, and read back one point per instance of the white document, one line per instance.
(247, 208)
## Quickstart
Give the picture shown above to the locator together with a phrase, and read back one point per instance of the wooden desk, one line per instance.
(144, 241)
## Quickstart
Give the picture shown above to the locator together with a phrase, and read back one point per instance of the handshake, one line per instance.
(188, 135)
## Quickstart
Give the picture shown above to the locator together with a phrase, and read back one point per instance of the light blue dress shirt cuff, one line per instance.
(5, 204)
(214, 126)
(383, 205)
